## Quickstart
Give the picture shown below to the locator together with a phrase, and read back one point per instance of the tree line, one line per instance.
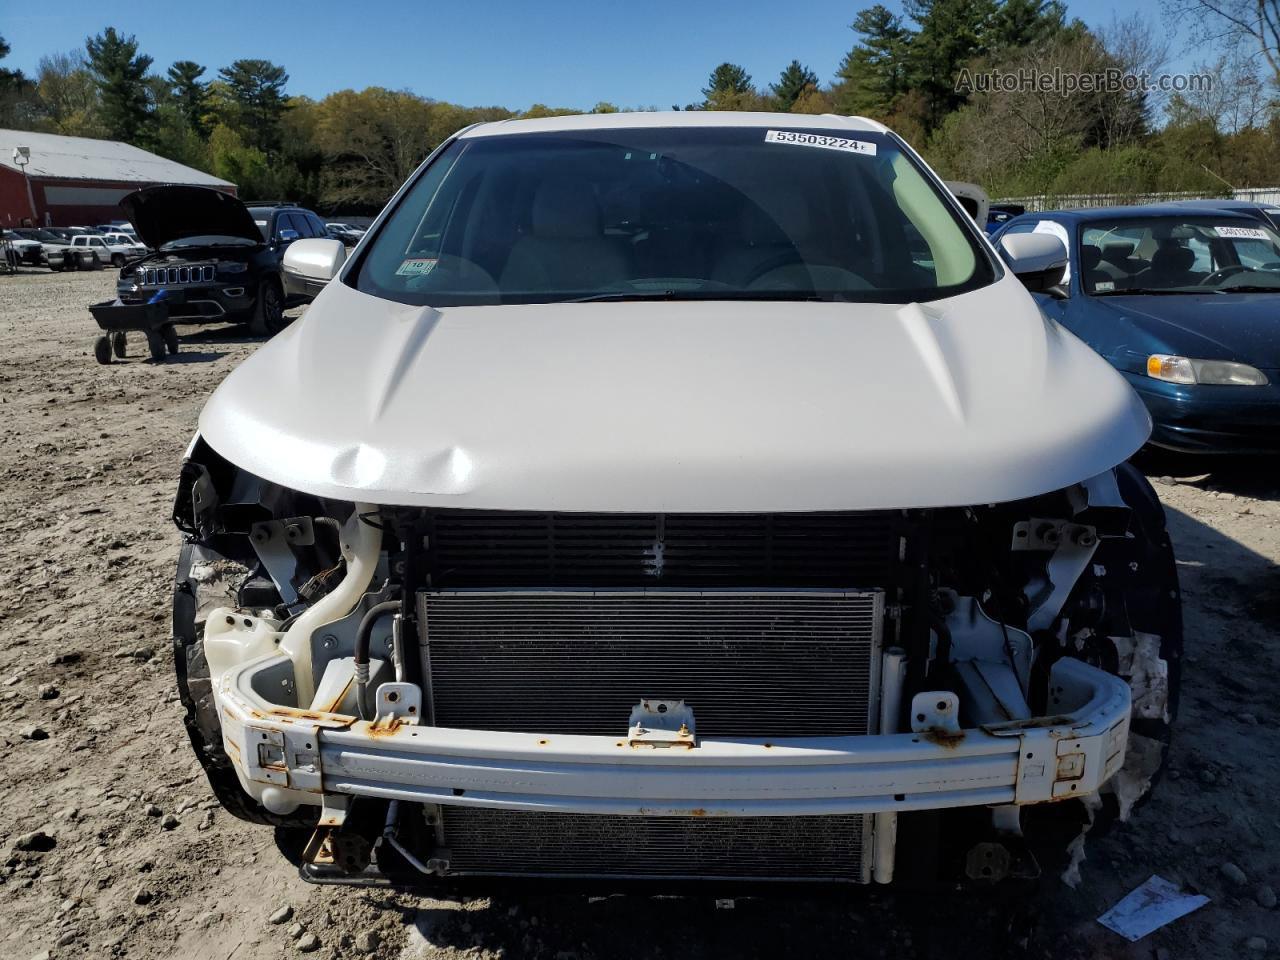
(351, 149)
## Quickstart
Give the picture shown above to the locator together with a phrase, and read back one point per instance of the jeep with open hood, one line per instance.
(210, 259)
(675, 497)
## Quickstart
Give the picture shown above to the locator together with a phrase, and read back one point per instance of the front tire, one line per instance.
(268, 311)
(117, 260)
(170, 335)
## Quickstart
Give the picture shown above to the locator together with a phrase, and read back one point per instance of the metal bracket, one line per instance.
(662, 723)
(936, 712)
(1050, 534)
(333, 809)
(399, 701)
(273, 541)
(1073, 545)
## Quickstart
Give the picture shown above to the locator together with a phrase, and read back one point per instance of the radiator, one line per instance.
(750, 663)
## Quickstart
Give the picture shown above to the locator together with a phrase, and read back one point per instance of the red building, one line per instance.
(75, 181)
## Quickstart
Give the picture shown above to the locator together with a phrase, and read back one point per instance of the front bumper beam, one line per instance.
(286, 757)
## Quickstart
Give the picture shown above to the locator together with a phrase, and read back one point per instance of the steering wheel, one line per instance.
(1222, 273)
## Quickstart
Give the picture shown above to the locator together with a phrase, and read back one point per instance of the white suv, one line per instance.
(674, 496)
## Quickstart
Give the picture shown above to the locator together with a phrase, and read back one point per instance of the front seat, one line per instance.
(764, 253)
(1171, 267)
(1090, 258)
(565, 250)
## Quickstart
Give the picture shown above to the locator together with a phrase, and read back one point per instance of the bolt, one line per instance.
(1085, 538)
(387, 643)
(330, 642)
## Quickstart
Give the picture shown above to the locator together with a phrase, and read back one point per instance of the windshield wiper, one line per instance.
(1250, 288)
(1149, 291)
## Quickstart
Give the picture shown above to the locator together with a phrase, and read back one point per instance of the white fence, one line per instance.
(1050, 202)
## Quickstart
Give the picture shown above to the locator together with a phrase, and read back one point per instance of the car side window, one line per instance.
(282, 224)
(317, 228)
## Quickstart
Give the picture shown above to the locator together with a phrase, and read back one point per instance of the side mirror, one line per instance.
(1039, 260)
(315, 258)
(288, 236)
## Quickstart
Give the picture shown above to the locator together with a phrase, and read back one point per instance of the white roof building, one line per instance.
(50, 179)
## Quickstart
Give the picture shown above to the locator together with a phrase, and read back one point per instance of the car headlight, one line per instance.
(1163, 366)
(233, 266)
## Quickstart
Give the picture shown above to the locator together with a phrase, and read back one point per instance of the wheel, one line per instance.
(155, 342)
(57, 269)
(94, 262)
(268, 311)
(102, 349)
(117, 260)
(170, 335)
(119, 343)
(70, 261)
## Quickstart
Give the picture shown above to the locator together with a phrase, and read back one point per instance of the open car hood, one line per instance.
(676, 406)
(161, 215)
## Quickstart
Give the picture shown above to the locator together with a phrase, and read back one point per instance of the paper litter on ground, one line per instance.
(1149, 907)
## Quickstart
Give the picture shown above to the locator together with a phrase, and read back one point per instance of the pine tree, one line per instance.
(120, 74)
(793, 81)
(257, 86)
(728, 78)
(190, 95)
(874, 73)
(952, 32)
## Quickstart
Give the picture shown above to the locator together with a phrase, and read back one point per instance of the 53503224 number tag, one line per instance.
(822, 141)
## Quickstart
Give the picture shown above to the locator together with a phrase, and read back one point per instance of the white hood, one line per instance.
(676, 407)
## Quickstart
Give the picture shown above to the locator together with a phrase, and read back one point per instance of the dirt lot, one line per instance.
(127, 855)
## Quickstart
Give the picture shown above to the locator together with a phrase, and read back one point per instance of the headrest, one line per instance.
(1173, 259)
(1090, 256)
(565, 209)
(1117, 253)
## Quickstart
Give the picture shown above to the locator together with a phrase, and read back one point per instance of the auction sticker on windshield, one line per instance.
(821, 141)
(1241, 233)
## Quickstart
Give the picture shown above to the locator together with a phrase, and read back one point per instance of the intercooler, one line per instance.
(749, 663)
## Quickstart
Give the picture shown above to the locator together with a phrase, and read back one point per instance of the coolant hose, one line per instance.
(361, 652)
(360, 542)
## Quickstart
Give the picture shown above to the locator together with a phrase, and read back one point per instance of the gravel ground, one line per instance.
(112, 846)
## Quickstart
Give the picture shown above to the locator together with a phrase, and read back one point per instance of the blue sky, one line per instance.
(569, 53)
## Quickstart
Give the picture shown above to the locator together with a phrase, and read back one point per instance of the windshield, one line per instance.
(1172, 255)
(709, 213)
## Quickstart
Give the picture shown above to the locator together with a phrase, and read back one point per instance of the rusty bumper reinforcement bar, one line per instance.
(285, 755)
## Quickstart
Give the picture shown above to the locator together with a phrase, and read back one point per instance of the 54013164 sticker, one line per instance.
(822, 141)
(416, 266)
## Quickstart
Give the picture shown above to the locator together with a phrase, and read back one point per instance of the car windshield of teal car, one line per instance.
(1178, 255)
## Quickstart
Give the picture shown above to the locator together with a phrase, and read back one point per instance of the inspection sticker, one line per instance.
(822, 141)
(416, 267)
(1241, 233)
